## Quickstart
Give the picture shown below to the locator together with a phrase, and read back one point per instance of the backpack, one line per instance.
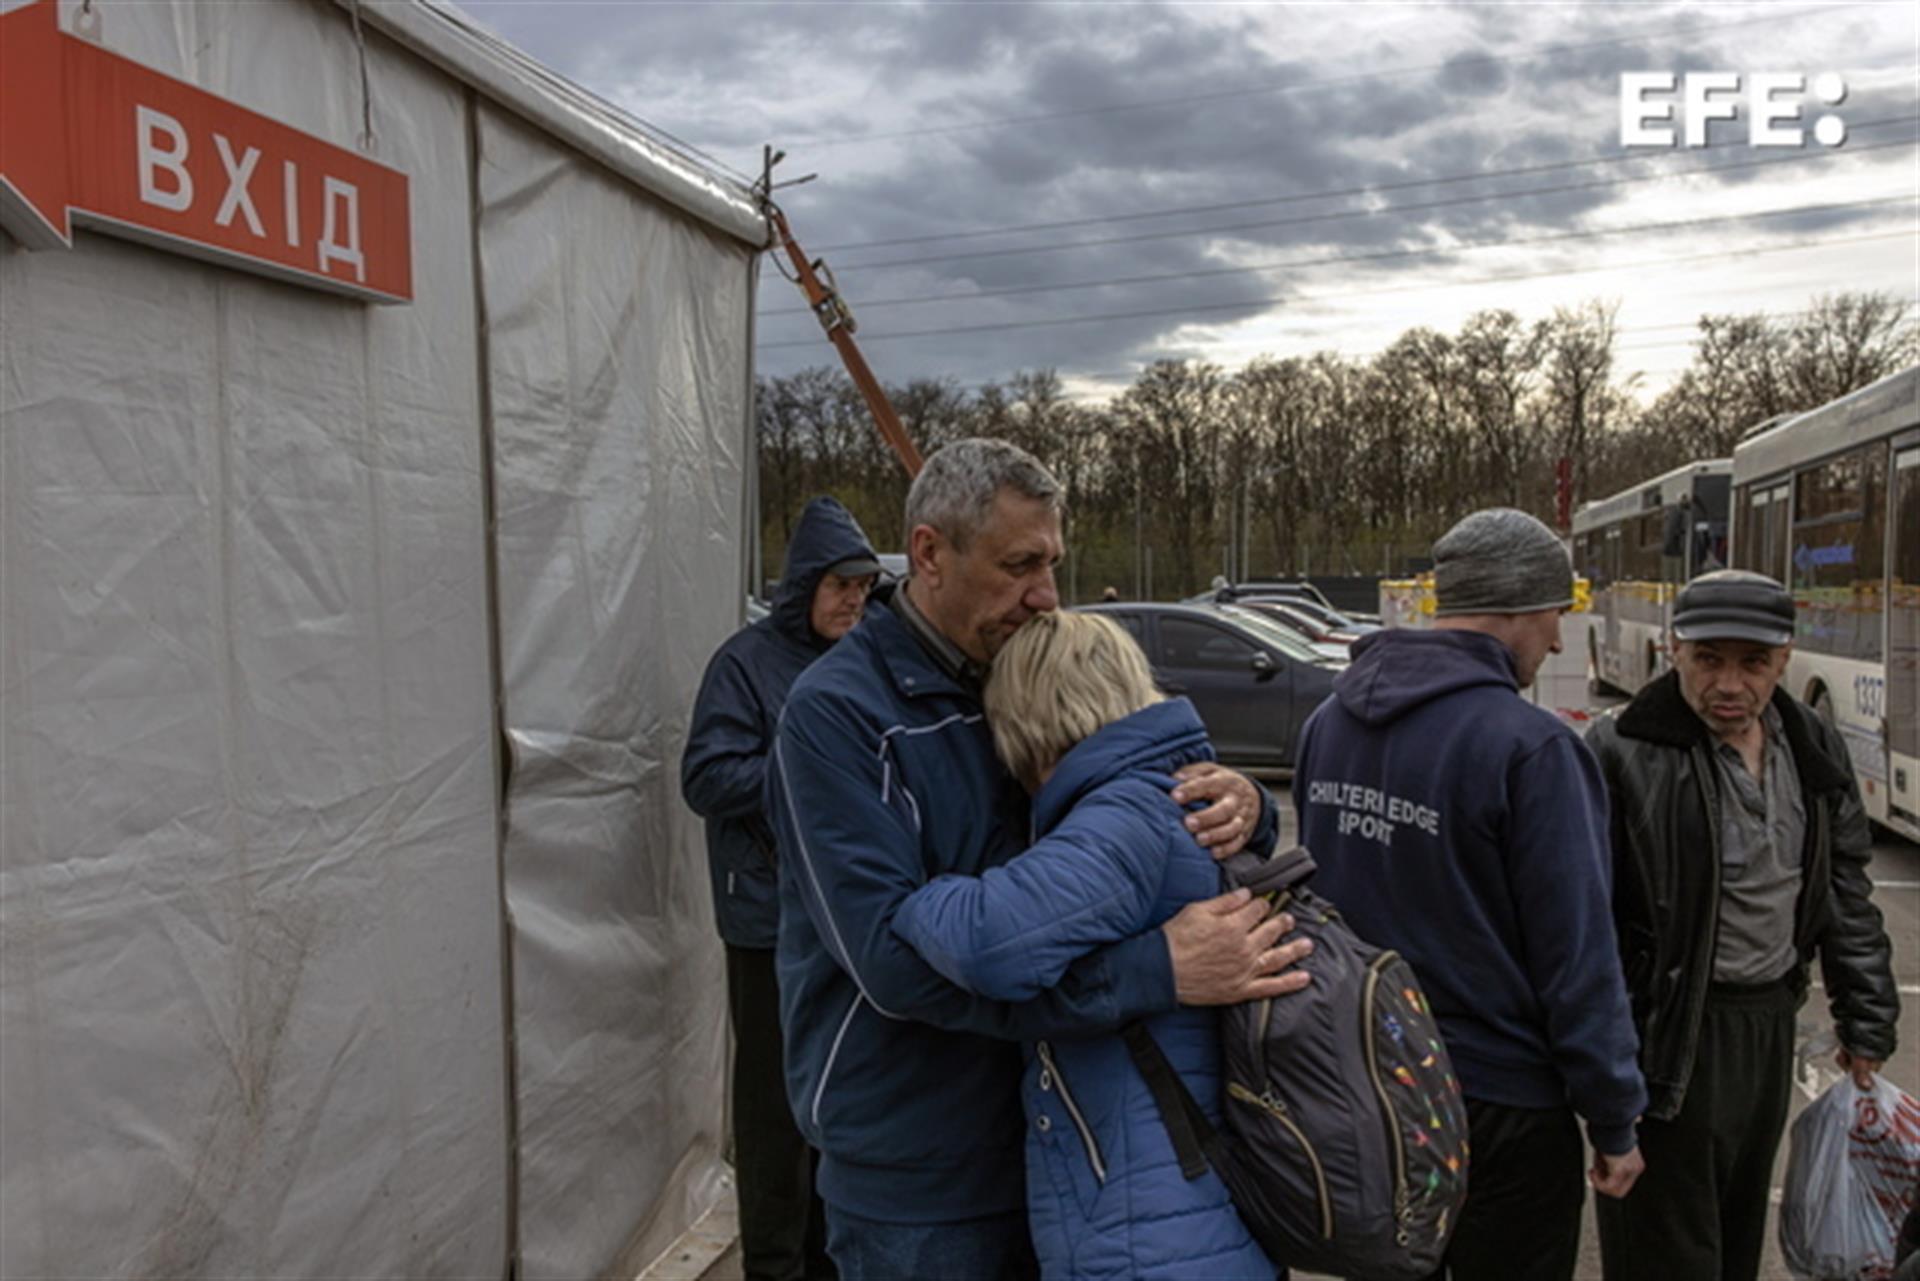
(1345, 1137)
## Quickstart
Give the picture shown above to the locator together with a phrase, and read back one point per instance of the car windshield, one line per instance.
(1277, 635)
(1284, 613)
(1331, 617)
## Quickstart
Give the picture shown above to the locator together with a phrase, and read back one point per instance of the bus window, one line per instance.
(1839, 539)
(1586, 560)
(1653, 541)
(1707, 549)
(1674, 535)
(1760, 543)
(1777, 534)
(1903, 588)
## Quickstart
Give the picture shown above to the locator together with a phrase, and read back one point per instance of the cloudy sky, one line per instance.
(1093, 186)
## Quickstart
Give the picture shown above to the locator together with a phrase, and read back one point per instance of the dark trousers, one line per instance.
(783, 1230)
(995, 1248)
(1699, 1213)
(1525, 1184)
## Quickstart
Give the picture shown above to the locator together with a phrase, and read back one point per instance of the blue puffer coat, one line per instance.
(1104, 1189)
(734, 717)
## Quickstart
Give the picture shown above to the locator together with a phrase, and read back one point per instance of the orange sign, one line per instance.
(90, 137)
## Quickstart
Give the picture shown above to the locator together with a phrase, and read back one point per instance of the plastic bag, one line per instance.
(1852, 1174)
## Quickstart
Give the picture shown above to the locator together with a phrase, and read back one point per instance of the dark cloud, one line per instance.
(1275, 106)
(1477, 75)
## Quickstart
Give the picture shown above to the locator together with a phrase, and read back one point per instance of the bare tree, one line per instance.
(1500, 358)
(1844, 342)
(1579, 363)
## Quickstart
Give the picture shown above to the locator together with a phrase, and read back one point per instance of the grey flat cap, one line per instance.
(1500, 561)
(1734, 604)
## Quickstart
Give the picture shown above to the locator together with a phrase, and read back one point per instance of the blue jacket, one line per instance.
(1104, 1188)
(1466, 828)
(734, 716)
(884, 777)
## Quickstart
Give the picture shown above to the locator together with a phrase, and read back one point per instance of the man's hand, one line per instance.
(1226, 950)
(1225, 825)
(1614, 1175)
(1860, 1069)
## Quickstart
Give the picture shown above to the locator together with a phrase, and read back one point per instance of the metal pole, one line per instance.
(1246, 526)
(1139, 536)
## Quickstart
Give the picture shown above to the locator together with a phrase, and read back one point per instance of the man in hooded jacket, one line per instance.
(1467, 829)
(830, 569)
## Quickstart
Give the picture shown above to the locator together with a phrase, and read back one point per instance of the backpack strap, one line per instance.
(1194, 1138)
(1280, 873)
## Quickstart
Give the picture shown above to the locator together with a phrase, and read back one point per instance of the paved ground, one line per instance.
(1896, 873)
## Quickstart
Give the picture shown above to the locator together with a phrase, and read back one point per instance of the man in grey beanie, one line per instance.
(1501, 561)
(1466, 828)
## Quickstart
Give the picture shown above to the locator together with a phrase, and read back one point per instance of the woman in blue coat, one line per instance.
(1076, 717)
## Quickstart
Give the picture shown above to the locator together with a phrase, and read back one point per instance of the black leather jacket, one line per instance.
(1656, 754)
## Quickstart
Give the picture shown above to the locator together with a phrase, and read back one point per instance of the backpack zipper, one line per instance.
(1277, 1110)
(1391, 1118)
(1277, 901)
(1260, 1025)
(1079, 1122)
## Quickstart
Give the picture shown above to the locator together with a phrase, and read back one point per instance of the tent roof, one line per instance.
(637, 152)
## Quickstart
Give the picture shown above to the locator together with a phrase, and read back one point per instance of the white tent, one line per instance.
(350, 922)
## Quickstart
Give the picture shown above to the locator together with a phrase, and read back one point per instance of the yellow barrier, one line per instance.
(1409, 602)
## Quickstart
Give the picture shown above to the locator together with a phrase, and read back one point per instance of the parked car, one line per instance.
(1253, 682)
(1332, 641)
(1334, 619)
(1296, 587)
(1300, 593)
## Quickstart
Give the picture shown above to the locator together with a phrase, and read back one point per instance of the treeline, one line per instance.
(1327, 463)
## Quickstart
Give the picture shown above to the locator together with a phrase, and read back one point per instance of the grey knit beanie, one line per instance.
(1500, 561)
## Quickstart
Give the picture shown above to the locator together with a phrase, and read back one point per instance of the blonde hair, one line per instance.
(1057, 680)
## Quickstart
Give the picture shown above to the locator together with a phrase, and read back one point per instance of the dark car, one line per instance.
(1253, 682)
(1302, 595)
(1322, 635)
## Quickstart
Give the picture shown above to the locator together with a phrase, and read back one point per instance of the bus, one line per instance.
(1637, 549)
(1828, 502)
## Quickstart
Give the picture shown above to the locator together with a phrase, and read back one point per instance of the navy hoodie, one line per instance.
(1466, 828)
(734, 717)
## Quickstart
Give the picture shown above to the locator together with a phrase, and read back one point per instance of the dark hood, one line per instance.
(826, 535)
(1397, 670)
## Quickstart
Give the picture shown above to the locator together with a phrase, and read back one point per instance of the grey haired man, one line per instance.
(884, 775)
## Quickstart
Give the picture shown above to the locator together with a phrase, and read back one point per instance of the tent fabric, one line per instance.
(250, 995)
(570, 115)
(255, 1013)
(620, 374)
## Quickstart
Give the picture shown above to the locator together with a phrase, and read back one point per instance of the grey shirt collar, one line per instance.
(946, 655)
(1763, 824)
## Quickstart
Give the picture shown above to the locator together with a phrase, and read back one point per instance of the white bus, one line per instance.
(1637, 549)
(1828, 502)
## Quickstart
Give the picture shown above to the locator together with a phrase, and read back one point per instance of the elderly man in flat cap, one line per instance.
(1461, 825)
(1740, 850)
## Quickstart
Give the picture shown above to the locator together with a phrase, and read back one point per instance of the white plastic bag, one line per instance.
(1852, 1174)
